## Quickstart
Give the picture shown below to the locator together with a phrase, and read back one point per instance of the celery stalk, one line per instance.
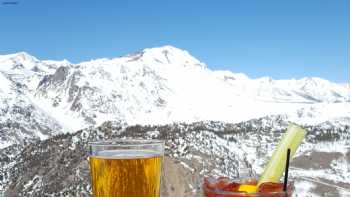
(276, 166)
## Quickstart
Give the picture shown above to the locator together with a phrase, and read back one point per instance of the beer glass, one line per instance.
(126, 168)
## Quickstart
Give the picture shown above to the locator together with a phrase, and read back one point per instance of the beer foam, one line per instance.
(127, 154)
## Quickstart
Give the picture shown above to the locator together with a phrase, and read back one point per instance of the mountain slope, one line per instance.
(59, 166)
(21, 120)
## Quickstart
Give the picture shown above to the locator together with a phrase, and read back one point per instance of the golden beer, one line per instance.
(126, 173)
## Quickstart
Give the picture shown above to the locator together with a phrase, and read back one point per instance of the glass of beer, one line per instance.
(126, 168)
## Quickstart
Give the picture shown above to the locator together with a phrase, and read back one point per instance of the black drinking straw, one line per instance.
(286, 171)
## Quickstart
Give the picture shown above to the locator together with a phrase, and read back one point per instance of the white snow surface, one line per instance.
(303, 189)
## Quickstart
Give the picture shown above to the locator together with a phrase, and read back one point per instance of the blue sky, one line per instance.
(260, 38)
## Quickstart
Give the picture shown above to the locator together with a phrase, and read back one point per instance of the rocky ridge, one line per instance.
(59, 166)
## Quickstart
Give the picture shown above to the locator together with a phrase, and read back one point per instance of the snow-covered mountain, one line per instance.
(40, 99)
(164, 85)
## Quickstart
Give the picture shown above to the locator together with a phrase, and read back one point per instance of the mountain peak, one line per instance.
(164, 50)
(168, 54)
(22, 57)
(18, 60)
(167, 47)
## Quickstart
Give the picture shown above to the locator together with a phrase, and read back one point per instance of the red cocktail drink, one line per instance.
(224, 187)
(268, 184)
